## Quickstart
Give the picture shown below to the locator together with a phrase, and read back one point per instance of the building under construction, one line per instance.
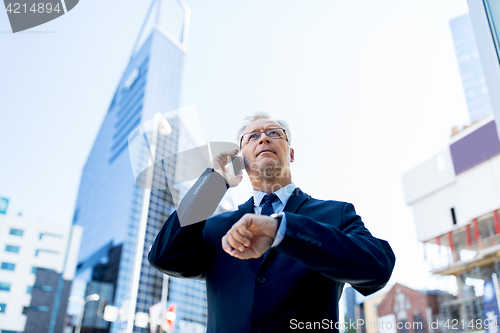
(455, 197)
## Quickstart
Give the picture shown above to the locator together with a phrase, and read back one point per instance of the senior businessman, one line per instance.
(278, 263)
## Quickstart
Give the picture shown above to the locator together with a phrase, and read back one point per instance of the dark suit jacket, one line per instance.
(326, 245)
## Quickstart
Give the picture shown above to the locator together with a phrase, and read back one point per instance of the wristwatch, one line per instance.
(278, 217)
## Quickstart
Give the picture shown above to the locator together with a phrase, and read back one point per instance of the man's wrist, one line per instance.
(280, 231)
(278, 217)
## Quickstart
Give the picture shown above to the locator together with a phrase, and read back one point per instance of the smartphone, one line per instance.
(235, 164)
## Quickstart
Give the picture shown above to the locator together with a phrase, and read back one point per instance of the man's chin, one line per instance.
(269, 168)
(266, 163)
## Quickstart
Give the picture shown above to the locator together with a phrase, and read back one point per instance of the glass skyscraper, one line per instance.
(471, 70)
(109, 203)
(485, 17)
(492, 9)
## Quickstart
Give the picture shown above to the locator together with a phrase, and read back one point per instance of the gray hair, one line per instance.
(263, 115)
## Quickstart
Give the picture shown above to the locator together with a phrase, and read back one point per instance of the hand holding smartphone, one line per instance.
(235, 164)
(229, 166)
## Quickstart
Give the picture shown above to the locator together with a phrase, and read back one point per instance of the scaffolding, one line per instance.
(471, 253)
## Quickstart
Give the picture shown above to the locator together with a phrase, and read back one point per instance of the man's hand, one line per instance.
(219, 164)
(250, 237)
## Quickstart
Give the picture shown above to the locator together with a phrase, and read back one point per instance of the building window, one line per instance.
(2, 307)
(75, 215)
(4, 286)
(38, 252)
(30, 290)
(12, 248)
(16, 232)
(41, 308)
(46, 234)
(34, 269)
(25, 310)
(453, 216)
(43, 288)
(8, 266)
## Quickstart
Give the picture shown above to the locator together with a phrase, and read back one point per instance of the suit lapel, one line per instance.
(246, 208)
(296, 199)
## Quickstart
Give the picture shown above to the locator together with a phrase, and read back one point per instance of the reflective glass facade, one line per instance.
(109, 203)
(493, 12)
(471, 70)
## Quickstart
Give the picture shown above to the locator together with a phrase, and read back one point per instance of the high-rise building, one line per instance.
(110, 204)
(29, 251)
(471, 70)
(485, 18)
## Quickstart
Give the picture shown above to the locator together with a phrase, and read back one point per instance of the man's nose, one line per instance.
(264, 138)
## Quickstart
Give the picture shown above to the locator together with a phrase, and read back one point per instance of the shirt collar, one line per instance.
(283, 194)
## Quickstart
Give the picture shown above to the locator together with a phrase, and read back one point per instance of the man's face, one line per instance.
(266, 153)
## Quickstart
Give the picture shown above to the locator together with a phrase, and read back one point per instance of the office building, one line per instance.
(29, 251)
(353, 311)
(110, 204)
(471, 70)
(455, 198)
(349, 298)
(46, 291)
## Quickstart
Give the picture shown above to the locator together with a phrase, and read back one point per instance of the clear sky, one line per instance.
(371, 89)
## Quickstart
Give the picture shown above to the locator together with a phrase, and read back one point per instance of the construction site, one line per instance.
(455, 198)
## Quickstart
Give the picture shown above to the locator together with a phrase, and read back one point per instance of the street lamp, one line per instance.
(93, 297)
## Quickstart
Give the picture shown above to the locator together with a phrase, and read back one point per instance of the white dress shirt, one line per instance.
(283, 194)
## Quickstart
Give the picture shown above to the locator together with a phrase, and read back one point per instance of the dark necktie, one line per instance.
(267, 209)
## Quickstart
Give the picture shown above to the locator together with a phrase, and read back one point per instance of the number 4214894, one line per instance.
(17, 8)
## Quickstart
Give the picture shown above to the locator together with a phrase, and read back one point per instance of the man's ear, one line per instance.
(292, 153)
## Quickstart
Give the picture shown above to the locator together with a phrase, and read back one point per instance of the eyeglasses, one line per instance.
(273, 133)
